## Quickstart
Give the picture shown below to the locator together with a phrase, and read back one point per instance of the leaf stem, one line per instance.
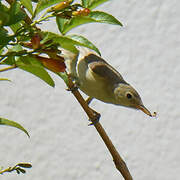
(18, 168)
(42, 19)
(8, 68)
(9, 169)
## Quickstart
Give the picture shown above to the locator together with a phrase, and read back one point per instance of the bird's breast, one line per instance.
(91, 84)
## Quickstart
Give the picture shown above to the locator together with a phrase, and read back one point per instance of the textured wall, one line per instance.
(147, 53)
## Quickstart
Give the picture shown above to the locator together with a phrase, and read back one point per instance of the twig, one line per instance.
(8, 68)
(41, 19)
(19, 168)
(118, 161)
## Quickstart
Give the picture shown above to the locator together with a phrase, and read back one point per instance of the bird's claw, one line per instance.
(95, 120)
(72, 89)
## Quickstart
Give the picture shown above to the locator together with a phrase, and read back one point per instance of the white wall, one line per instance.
(147, 53)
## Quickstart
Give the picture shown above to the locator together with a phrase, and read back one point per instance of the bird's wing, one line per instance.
(101, 68)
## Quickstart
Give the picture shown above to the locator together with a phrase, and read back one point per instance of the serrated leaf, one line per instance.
(68, 42)
(7, 122)
(33, 66)
(28, 5)
(94, 16)
(43, 4)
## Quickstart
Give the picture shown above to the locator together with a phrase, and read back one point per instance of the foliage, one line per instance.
(27, 47)
(24, 45)
(7, 122)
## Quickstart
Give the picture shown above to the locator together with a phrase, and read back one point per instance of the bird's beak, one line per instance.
(144, 109)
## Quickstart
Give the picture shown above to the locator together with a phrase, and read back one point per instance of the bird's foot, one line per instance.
(72, 89)
(95, 119)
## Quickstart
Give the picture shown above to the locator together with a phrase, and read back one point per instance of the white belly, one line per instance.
(91, 84)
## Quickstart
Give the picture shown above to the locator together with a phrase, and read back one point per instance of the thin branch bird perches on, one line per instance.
(118, 161)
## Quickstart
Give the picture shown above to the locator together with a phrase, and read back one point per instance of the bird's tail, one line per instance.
(84, 51)
(72, 58)
(67, 55)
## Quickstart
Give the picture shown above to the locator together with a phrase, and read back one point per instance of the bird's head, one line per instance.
(126, 95)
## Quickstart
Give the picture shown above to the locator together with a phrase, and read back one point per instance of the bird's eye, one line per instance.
(128, 95)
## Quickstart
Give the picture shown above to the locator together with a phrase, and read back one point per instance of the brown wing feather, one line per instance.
(103, 69)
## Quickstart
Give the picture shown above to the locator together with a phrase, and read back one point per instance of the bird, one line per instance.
(99, 80)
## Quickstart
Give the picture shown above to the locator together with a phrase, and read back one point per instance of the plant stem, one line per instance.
(41, 19)
(8, 68)
(5, 170)
(118, 161)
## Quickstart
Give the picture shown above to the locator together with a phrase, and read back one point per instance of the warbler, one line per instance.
(98, 79)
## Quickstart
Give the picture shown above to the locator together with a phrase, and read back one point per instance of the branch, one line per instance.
(118, 161)
(8, 68)
(19, 168)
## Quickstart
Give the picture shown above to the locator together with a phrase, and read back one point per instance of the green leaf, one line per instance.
(28, 5)
(61, 22)
(16, 13)
(103, 17)
(65, 25)
(94, 3)
(4, 15)
(17, 48)
(91, 4)
(10, 60)
(85, 3)
(43, 4)
(4, 18)
(4, 37)
(7, 122)
(63, 76)
(33, 66)
(94, 16)
(68, 42)
(15, 27)
(85, 42)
